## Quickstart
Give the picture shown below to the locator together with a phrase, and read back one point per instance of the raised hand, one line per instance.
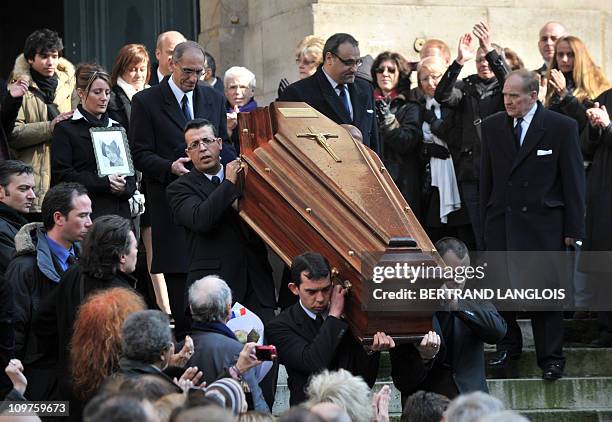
(465, 51)
(18, 88)
(483, 33)
(429, 346)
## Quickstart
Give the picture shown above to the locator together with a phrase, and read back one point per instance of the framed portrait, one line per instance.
(112, 151)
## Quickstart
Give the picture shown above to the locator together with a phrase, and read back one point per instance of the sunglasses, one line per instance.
(387, 68)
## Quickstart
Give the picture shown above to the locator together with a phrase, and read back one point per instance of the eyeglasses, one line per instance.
(304, 61)
(187, 71)
(202, 142)
(387, 68)
(349, 63)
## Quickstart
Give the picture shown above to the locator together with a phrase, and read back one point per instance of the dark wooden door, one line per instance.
(96, 30)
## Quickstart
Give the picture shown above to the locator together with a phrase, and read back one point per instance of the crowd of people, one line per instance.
(505, 159)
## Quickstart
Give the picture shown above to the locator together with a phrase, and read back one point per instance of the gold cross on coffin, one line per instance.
(322, 140)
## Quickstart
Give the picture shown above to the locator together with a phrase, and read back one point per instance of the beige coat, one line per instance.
(31, 138)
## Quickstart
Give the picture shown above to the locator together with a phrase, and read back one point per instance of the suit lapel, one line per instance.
(532, 137)
(304, 322)
(507, 141)
(170, 106)
(332, 99)
(202, 104)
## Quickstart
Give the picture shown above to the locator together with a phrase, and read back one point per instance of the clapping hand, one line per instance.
(14, 370)
(18, 88)
(380, 404)
(190, 378)
(557, 81)
(598, 116)
(465, 51)
(181, 358)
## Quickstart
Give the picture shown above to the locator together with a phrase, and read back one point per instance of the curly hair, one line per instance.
(96, 342)
(42, 41)
(589, 80)
(402, 65)
(107, 240)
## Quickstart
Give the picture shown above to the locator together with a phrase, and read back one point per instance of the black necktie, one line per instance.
(344, 98)
(518, 130)
(71, 260)
(319, 321)
(185, 107)
(215, 180)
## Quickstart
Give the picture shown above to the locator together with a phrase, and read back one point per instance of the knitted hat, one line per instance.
(229, 394)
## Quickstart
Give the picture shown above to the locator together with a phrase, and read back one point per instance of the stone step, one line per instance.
(581, 362)
(571, 393)
(586, 415)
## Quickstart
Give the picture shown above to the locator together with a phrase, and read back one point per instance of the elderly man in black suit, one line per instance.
(159, 115)
(311, 335)
(334, 91)
(532, 198)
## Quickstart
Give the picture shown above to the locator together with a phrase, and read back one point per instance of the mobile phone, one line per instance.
(267, 352)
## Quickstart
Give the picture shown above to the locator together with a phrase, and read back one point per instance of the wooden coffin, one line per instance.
(342, 203)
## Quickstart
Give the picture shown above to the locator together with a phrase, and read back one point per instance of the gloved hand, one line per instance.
(435, 150)
(383, 112)
(283, 84)
(429, 116)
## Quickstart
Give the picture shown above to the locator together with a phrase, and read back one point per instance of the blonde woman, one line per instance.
(308, 56)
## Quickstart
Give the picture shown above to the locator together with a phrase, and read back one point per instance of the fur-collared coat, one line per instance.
(31, 137)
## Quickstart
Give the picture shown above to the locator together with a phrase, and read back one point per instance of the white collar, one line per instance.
(160, 77)
(310, 314)
(331, 80)
(220, 174)
(529, 116)
(77, 115)
(178, 92)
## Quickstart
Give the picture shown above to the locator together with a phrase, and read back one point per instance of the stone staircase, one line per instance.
(583, 395)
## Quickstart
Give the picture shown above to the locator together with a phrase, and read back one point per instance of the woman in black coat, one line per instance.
(72, 151)
(398, 126)
(598, 241)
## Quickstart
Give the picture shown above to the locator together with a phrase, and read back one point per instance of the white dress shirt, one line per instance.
(334, 85)
(178, 94)
(527, 118)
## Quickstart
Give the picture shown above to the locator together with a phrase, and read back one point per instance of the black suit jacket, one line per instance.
(305, 349)
(319, 94)
(219, 242)
(156, 139)
(532, 198)
(154, 80)
(459, 366)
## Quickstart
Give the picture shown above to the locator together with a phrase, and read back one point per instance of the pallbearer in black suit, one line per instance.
(205, 202)
(158, 117)
(311, 336)
(334, 91)
(532, 198)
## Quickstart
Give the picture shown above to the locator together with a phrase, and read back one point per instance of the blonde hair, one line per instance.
(589, 80)
(344, 389)
(440, 45)
(431, 64)
(312, 46)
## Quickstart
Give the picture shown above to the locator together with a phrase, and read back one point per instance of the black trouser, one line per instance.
(175, 283)
(547, 334)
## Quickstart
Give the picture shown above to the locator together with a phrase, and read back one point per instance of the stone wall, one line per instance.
(262, 34)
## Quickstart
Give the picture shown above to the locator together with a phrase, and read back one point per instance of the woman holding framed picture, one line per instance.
(92, 149)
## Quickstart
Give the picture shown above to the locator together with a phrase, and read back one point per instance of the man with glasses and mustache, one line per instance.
(334, 91)
(159, 115)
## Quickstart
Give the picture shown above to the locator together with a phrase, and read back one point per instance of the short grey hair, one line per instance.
(504, 416)
(470, 407)
(185, 46)
(209, 298)
(241, 72)
(145, 335)
(344, 389)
